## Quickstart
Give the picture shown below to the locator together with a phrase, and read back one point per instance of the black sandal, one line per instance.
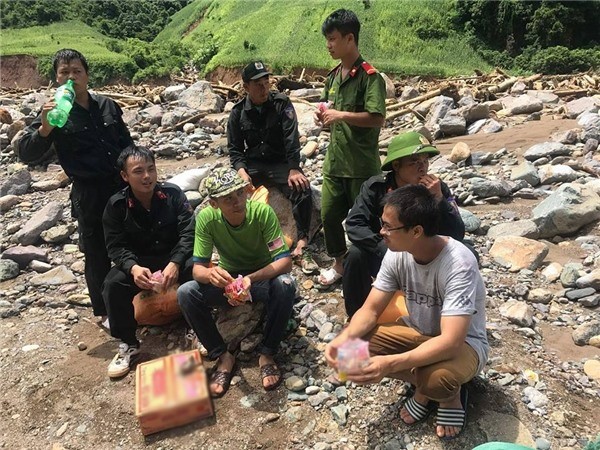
(223, 379)
(271, 370)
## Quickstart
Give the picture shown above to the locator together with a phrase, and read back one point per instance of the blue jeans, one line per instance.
(198, 299)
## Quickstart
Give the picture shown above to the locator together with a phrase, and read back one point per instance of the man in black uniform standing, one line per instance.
(148, 227)
(264, 146)
(87, 148)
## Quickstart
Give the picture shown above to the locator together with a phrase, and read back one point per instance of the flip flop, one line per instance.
(454, 417)
(417, 411)
(329, 276)
(271, 370)
(223, 379)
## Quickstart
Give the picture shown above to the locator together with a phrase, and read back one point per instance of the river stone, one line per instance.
(42, 220)
(39, 266)
(518, 253)
(594, 341)
(8, 269)
(440, 106)
(504, 428)
(295, 384)
(58, 233)
(524, 228)
(517, 312)
(340, 414)
(544, 96)
(552, 271)
(471, 221)
(540, 295)
(570, 274)
(592, 369)
(172, 93)
(475, 112)
(453, 125)
(526, 171)
(484, 188)
(23, 255)
(16, 184)
(591, 279)
(566, 210)
(8, 201)
(546, 150)
(460, 152)
(57, 276)
(576, 294)
(585, 331)
(558, 173)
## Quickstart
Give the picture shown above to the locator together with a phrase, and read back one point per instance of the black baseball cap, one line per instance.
(254, 71)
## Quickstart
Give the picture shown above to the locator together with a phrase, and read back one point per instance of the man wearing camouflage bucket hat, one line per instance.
(408, 162)
(250, 243)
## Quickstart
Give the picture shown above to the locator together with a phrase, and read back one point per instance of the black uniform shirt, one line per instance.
(363, 226)
(89, 143)
(266, 136)
(132, 232)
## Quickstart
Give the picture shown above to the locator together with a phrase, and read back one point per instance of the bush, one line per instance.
(560, 59)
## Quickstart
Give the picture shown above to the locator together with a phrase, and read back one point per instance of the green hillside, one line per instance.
(44, 41)
(404, 37)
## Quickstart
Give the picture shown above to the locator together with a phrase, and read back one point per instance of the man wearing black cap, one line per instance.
(264, 147)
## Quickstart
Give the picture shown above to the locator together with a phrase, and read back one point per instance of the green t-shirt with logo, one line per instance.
(254, 244)
(353, 151)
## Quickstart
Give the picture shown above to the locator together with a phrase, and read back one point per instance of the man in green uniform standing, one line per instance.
(354, 109)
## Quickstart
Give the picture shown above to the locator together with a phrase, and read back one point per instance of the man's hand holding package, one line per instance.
(142, 277)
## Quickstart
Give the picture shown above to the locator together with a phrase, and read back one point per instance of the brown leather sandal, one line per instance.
(271, 370)
(223, 379)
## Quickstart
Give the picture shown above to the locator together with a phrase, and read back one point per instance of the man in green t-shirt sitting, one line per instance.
(250, 243)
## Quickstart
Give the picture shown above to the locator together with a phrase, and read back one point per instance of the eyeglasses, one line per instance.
(387, 230)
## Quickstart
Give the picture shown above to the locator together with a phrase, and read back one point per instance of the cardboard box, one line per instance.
(167, 395)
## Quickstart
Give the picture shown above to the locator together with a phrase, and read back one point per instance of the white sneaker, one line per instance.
(119, 366)
(106, 324)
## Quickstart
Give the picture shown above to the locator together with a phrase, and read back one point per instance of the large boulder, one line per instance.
(306, 121)
(201, 97)
(525, 171)
(517, 253)
(237, 323)
(582, 105)
(484, 188)
(566, 210)
(523, 104)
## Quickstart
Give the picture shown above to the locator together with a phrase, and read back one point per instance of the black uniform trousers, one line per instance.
(360, 267)
(301, 200)
(118, 292)
(88, 200)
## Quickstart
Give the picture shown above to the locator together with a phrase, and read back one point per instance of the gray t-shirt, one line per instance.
(450, 285)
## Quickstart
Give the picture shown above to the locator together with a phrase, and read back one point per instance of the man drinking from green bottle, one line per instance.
(87, 147)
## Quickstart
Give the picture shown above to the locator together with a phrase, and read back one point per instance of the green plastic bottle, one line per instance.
(64, 98)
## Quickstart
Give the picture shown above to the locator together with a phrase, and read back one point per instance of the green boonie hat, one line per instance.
(406, 144)
(223, 181)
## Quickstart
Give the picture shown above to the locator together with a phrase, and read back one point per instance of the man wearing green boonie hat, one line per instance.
(408, 161)
(250, 244)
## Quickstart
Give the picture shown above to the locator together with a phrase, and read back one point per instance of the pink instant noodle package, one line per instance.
(235, 291)
(352, 355)
(157, 280)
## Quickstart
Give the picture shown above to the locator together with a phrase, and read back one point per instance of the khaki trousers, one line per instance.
(440, 381)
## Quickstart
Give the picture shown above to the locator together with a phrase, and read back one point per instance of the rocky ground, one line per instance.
(524, 170)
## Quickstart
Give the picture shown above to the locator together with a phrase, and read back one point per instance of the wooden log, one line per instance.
(183, 122)
(418, 99)
(504, 86)
(567, 92)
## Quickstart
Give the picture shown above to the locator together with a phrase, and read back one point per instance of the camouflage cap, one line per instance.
(223, 181)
